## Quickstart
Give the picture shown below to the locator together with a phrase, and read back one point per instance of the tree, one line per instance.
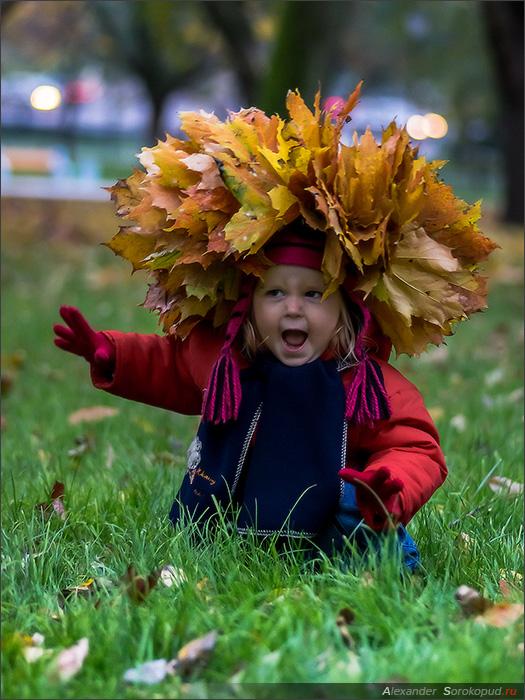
(504, 25)
(233, 22)
(306, 50)
(156, 42)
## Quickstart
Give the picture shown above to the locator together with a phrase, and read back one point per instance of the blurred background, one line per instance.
(86, 84)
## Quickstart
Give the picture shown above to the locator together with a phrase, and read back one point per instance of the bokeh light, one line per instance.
(45, 98)
(435, 125)
(416, 127)
(431, 125)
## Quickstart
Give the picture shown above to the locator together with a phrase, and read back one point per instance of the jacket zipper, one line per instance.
(343, 457)
(245, 446)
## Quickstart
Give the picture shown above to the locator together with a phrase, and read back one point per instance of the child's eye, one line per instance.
(274, 293)
(314, 294)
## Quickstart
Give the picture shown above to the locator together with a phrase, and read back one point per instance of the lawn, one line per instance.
(277, 621)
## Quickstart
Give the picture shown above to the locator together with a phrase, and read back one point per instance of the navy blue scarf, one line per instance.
(287, 478)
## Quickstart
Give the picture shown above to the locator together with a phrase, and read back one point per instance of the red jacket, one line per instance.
(169, 373)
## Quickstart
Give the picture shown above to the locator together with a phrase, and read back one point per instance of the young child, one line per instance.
(305, 426)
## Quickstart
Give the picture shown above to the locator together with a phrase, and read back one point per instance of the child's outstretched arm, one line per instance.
(402, 458)
(80, 339)
(162, 371)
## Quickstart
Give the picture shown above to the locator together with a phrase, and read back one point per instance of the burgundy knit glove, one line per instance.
(79, 338)
(376, 494)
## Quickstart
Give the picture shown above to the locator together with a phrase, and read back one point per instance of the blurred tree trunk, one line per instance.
(142, 33)
(306, 51)
(504, 24)
(230, 19)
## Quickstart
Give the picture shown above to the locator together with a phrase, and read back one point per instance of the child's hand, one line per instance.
(377, 494)
(79, 338)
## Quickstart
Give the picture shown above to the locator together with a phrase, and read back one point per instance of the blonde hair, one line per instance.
(342, 343)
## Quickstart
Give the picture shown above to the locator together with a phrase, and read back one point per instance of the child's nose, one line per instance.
(294, 305)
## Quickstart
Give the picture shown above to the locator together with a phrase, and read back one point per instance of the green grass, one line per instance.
(276, 618)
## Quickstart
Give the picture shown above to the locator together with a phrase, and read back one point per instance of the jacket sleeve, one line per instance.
(161, 371)
(407, 443)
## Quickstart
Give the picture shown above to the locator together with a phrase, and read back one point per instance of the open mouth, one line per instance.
(294, 339)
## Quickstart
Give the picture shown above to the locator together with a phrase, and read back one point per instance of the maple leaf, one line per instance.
(425, 289)
(92, 414)
(165, 161)
(216, 197)
(133, 246)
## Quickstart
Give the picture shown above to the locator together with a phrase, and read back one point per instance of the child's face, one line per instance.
(293, 322)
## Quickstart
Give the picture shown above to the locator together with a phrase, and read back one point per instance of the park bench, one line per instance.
(25, 160)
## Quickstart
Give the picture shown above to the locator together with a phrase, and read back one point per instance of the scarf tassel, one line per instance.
(366, 399)
(223, 395)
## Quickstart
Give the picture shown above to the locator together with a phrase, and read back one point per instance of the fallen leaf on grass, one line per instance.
(471, 600)
(514, 396)
(69, 661)
(88, 589)
(3, 423)
(486, 612)
(11, 364)
(366, 579)
(195, 653)
(191, 656)
(494, 377)
(170, 576)
(459, 422)
(436, 412)
(505, 487)
(139, 587)
(500, 614)
(55, 503)
(44, 457)
(30, 645)
(92, 414)
(32, 654)
(6, 383)
(15, 360)
(34, 650)
(83, 444)
(344, 618)
(464, 541)
(149, 673)
(144, 425)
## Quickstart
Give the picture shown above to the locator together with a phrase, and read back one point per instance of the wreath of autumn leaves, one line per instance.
(200, 212)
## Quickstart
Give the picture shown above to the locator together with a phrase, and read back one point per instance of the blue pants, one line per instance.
(348, 524)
